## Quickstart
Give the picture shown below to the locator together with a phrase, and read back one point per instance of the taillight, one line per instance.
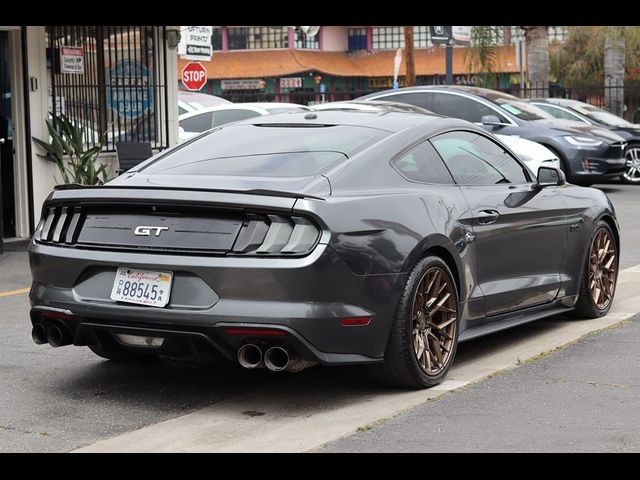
(59, 225)
(276, 235)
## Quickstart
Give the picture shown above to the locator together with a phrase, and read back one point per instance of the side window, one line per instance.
(558, 112)
(423, 164)
(197, 123)
(462, 107)
(473, 159)
(413, 98)
(181, 110)
(227, 116)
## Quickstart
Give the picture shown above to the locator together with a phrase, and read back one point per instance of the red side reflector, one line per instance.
(253, 331)
(355, 322)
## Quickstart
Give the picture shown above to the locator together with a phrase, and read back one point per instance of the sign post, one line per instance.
(194, 76)
(448, 35)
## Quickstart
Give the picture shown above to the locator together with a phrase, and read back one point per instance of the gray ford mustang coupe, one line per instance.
(332, 238)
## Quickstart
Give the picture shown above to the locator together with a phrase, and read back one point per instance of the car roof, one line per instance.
(204, 99)
(481, 92)
(563, 102)
(389, 121)
(255, 107)
(372, 106)
(267, 105)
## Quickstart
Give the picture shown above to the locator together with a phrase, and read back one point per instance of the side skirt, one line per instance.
(513, 320)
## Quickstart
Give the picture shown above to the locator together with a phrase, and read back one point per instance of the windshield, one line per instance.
(601, 116)
(266, 150)
(517, 108)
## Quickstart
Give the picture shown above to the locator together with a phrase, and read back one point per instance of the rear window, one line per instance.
(255, 150)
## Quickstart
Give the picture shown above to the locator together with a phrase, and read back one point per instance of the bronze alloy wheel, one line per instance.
(602, 268)
(434, 313)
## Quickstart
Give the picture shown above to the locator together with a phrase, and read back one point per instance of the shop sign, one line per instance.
(384, 82)
(249, 84)
(196, 43)
(294, 82)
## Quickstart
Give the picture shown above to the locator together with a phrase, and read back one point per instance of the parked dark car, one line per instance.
(336, 238)
(587, 154)
(592, 115)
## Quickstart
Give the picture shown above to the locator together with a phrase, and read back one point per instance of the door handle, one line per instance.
(485, 217)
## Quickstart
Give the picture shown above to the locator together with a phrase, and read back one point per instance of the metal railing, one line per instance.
(622, 99)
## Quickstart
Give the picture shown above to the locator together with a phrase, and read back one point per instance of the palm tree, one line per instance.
(537, 42)
(482, 55)
(614, 68)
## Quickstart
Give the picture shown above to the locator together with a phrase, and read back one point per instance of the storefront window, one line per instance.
(357, 39)
(385, 38)
(302, 40)
(216, 38)
(249, 38)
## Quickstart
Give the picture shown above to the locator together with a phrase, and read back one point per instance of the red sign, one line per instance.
(194, 76)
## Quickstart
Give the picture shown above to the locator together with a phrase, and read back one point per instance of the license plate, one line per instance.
(143, 287)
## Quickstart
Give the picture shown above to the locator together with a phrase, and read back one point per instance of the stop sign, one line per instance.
(194, 76)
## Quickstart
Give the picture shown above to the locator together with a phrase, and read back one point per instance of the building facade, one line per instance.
(117, 82)
(339, 63)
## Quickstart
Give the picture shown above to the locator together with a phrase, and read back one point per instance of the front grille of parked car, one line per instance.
(180, 231)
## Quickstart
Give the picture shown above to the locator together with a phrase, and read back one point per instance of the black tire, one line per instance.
(633, 150)
(120, 355)
(586, 306)
(401, 367)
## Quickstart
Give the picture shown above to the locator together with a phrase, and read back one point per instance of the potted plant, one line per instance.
(67, 149)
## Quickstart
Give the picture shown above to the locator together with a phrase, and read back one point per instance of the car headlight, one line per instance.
(582, 141)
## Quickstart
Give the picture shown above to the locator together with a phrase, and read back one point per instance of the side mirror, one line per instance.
(551, 177)
(490, 120)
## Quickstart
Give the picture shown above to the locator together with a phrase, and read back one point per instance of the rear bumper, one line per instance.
(303, 297)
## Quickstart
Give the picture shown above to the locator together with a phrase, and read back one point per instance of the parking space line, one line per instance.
(10, 293)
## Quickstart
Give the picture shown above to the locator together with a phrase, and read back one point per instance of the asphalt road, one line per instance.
(583, 398)
(60, 399)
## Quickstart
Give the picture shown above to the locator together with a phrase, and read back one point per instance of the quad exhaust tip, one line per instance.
(250, 356)
(56, 337)
(39, 334)
(276, 359)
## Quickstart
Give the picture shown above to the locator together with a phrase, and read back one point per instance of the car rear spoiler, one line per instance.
(255, 191)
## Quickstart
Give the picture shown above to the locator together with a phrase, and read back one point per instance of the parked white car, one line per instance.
(193, 123)
(533, 154)
(194, 101)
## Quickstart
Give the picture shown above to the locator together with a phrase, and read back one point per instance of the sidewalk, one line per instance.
(14, 270)
(583, 398)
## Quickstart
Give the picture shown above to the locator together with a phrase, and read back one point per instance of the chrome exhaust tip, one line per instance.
(276, 359)
(250, 356)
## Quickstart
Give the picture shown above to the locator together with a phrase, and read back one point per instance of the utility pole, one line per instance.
(410, 77)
